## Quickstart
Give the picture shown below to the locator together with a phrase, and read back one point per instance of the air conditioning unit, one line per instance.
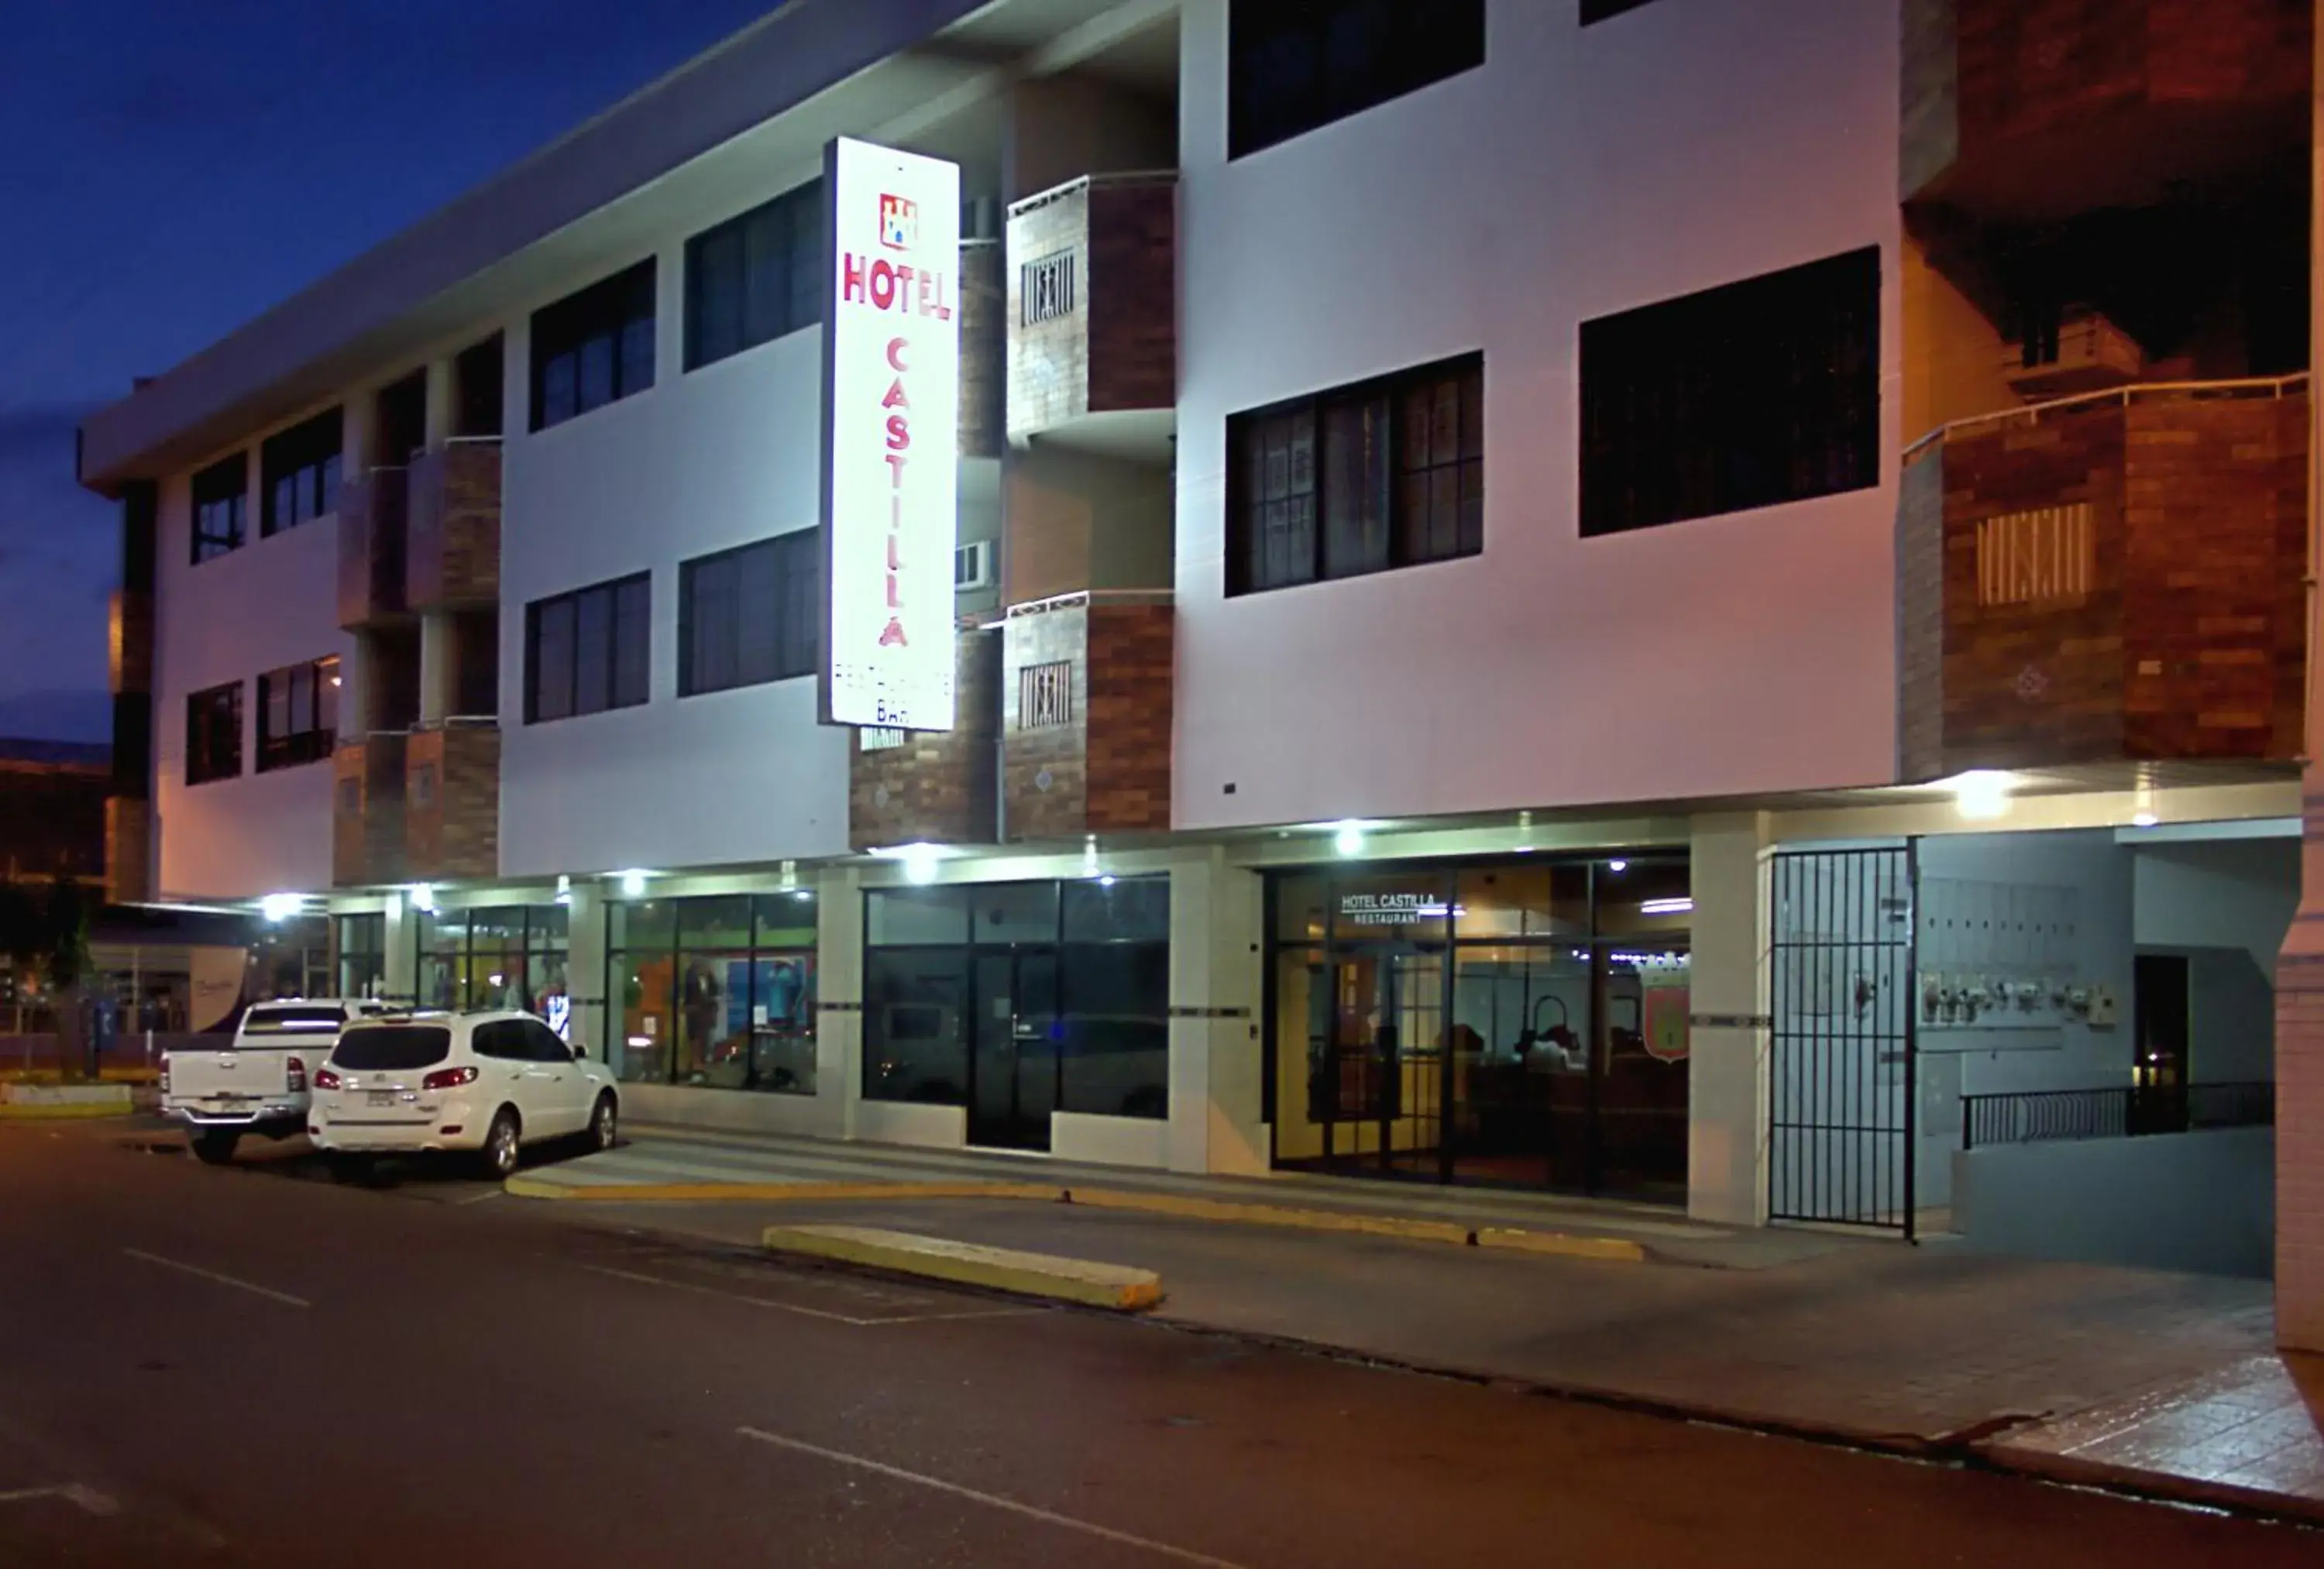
(2087, 353)
(975, 565)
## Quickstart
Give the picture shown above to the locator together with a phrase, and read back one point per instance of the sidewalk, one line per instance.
(2149, 1381)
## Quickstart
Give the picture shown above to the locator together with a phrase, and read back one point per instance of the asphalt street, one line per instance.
(235, 1366)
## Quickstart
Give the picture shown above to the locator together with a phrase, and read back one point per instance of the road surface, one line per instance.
(233, 1367)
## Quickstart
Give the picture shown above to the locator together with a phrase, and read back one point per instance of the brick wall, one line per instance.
(452, 802)
(455, 551)
(2006, 94)
(939, 786)
(367, 828)
(2190, 642)
(372, 524)
(983, 350)
(2300, 1122)
(1132, 664)
(1045, 770)
(1117, 348)
(128, 850)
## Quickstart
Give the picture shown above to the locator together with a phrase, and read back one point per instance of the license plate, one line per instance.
(380, 1097)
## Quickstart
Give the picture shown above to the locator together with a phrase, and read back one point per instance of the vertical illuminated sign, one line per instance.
(891, 429)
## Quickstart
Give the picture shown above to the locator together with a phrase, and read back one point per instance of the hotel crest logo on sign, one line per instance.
(900, 222)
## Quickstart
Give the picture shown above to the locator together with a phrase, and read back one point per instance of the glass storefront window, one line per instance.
(1522, 901)
(361, 942)
(1644, 899)
(1017, 999)
(716, 993)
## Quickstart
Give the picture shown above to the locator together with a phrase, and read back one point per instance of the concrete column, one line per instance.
(1216, 986)
(2299, 972)
(402, 951)
(354, 437)
(435, 663)
(839, 993)
(584, 970)
(1727, 1078)
(438, 417)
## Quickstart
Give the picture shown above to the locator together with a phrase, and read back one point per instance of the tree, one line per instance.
(45, 931)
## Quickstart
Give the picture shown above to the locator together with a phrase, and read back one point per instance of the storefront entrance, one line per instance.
(1522, 1024)
(1015, 1068)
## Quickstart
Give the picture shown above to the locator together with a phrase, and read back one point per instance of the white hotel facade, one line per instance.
(1569, 594)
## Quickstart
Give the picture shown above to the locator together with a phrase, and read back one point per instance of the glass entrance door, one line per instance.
(1013, 1061)
(1388, 1057)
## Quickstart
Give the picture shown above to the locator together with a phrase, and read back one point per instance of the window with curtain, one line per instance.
(755, 277)
(748, 616)
(298, 713)
(221, 499)
(298, 473)
(594, 347)
(589, 651)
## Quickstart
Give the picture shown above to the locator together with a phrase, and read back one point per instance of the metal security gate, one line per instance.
(1842, 1066)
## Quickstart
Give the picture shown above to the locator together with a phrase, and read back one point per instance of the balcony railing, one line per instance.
(373, 528)
(455, 555)
(2118, 1112)
(1093, 301)
(2114, 576)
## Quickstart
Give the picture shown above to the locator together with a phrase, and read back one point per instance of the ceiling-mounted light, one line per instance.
(1348, 839)
(1982, 794)
(1679, 906)
(1617, 866)
(280, 907)
(422, 898)
(633, 884)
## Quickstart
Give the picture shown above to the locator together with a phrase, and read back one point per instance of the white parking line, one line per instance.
(87, 1500)
(825, 1314)
(268, 1292)
(992, 1500)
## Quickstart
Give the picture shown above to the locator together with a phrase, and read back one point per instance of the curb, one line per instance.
(1081, 1281)
(2294, 1508)
(1404, 1228)
(34, 1111)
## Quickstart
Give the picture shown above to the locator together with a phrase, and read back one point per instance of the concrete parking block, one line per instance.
(1079, 1280)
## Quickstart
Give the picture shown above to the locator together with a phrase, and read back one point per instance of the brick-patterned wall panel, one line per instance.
(130, 642)
(1045, 769)
(2031, 684)
(983, 349)
(128, 851)
(2216, 524)
(347, 864)
(1132, 663)
(1921, 618)
(367, 816)
(1133, 295)
(2007, 94)
(1049, 360)
(455, 551)
(939, 787)
(373, 524)
(452, 795)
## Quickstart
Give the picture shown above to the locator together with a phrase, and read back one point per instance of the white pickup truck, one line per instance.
(257, 1083)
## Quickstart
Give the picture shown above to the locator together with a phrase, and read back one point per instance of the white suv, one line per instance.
(406, 1083)
(256, 1082)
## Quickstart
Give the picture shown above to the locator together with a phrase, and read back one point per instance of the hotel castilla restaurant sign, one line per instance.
(891, 453)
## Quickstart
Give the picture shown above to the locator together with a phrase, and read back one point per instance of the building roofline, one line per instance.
(284, 360)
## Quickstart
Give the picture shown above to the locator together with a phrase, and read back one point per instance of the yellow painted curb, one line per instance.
(523, 1187)
(13, 1111)
(1062, 1279)
(1608, 1249)
(1435, 1231)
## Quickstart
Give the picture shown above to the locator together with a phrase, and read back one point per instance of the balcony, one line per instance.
(933, 786)
(1085, 716)
(452, 802)
(2028, 110)
(454, 558)
(2110, 578)
(1092, 311)
(373, 516)
(367, 816)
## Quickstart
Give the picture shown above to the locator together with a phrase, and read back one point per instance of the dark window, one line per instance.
(755, 279)
(748, 616)
(591, 348)
(1299, 64)
(1747, 395)
(298, 714)
(588, 651)
(1390, 474)
(504, 1039)
(1600, 10)
(298, 473)
(362, 944)
(214, 734)
(476, 388)
(391, 1047)
(221, 506)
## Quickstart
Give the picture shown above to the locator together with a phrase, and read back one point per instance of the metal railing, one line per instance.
(2185, 391)
(2118, 1112)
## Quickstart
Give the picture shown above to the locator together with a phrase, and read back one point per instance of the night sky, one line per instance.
(174, 167)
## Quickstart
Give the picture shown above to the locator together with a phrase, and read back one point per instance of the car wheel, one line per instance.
(605, 1123)
(215, 1149)
(501, 1140)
